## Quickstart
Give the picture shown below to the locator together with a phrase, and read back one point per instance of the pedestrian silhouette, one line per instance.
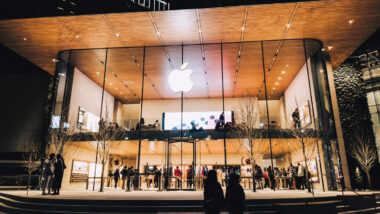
(213, 194)
(235, 196)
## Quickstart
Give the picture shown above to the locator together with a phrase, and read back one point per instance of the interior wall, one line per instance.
(88, 95)
(298, 93)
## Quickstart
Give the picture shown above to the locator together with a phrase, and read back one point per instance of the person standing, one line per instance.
(116, 177)
(266, 178)
(213, 194)
(235, 197)
(301, 174)
(271, 178)
(48, 174)
(296, 119)
(189, 177)
(157, 125)
(124, 173)
(178, 175)
(59, 168)
(129, 176)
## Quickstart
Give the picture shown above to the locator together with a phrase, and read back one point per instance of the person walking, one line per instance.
(48, 174)
(59, 168)
(235, 197)
(116, 177)
(213, 194)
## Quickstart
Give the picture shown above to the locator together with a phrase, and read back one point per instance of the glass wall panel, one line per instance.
(246, 142)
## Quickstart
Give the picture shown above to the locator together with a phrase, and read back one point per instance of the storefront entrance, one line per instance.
(180, 164)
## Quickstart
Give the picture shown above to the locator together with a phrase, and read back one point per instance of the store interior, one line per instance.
(122, 85)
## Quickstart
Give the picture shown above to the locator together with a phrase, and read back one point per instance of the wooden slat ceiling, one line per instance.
(40, 39)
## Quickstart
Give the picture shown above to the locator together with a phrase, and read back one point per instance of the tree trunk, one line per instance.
(369, 179)
(102, 179)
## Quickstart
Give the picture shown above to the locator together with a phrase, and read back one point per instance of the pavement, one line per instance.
(119, 194)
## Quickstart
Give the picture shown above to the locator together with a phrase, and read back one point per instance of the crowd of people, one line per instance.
(53, 170)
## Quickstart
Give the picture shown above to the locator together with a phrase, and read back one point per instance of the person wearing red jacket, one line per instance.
(178, 175)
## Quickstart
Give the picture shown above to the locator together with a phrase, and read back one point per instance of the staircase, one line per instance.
(18, 204)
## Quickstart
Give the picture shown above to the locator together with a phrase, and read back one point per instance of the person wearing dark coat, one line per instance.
(116, 177)
(59, 168)
(213, 194)
(235, 197)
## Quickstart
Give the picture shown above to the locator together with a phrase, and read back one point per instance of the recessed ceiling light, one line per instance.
(279, 78)
(53, 60)
(330, 47)
(274, 88)
(115, 88)
(243, 28)
(199, 31)
(323, 49)
(287, 65)
(276, 83)
(158, 33)
(288, 25)
(97, 73)
(60, 8)
(73, 3)
(283, 72)
(77, 36)
(24, 38)
(321, 70)
(350, 22)
(117, 34)
(111, 83)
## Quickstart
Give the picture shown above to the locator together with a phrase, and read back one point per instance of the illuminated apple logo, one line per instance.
(179, 80)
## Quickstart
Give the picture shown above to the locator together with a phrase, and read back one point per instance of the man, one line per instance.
(178, 174)
(124, 174)
(296, 119)
(48, 174)
(129, 176)
(301, 174)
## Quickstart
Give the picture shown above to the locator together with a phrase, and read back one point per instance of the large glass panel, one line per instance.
(246, 142)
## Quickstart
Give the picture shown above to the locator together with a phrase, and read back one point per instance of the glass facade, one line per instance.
(182, 110)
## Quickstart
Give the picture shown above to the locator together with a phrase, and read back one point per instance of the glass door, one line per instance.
(179, 173)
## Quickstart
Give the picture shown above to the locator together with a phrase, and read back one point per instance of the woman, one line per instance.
(213, 194)
(59, 168)
(235, 196)
(116, 177)
(266, 178)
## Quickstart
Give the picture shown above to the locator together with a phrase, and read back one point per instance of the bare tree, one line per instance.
(247, 114)
(104, 138)
(364, 151)
(32, 155)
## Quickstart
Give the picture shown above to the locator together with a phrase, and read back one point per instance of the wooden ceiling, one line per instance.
(40, 39)
(129, 149)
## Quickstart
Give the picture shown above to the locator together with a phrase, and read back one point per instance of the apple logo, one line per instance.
(179, 80)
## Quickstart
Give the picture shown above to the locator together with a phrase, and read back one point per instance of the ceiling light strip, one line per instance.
(283, 37)
(240, 49)
(161, 40)
(131, 57)
(92, 51)
(202, 50)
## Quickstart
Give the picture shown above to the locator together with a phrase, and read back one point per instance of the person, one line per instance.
(48, 174)
(129, 176)
(258, 176)
(59, 168)
(178, 175)
(189, 176)
(157, 125)
(205, 171)
(296, 119)
(135, 181)
(266, 178)
(235, 197)
(193, 127)
(110, 175)
(301, 174)
(213, 198)
(140, 124)
(124, 174)
(271, 178)
(221, 120)
(116, 177)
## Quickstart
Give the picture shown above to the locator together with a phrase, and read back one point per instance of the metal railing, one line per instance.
(154, 5)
